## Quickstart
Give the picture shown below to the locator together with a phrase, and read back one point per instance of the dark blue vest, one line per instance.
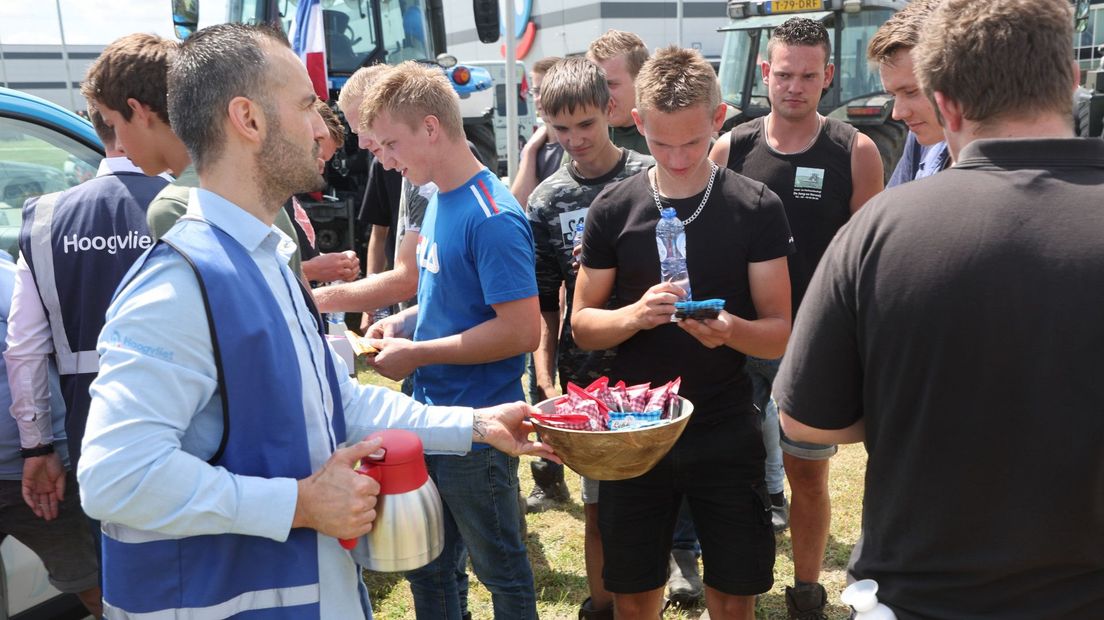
(79, 244)
(264, 434)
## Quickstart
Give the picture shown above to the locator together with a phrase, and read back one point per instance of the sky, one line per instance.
(86, 22)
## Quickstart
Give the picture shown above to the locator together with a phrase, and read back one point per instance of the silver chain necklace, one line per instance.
(705, 198)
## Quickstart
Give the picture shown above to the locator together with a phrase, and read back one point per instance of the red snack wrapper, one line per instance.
(618, 400)
(636, 397)
(657, 398)
(570, 421)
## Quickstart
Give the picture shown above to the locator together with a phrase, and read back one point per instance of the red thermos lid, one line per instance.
(402, 468)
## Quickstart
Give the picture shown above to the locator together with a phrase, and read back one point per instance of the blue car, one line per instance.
(43, 148)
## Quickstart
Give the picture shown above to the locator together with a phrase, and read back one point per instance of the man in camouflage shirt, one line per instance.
(576, 103)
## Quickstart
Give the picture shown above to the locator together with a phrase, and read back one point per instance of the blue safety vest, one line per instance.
(151, 576)
(79, 244)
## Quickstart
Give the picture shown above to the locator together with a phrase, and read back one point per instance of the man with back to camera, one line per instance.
(477, 315)
(736, 243)
(577, 102)
(222, 484)
(951, 327)
(75, 247)
(925, 151)
(823, 170)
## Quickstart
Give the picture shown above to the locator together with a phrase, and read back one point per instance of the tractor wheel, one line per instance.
(889, 137)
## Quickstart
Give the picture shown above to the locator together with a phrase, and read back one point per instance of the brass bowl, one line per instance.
(612, 455)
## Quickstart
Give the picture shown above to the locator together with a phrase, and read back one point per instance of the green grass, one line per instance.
(555, 542)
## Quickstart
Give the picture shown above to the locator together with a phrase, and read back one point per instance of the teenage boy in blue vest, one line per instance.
(737, 240)
(75, 248)
(213, 449)
(465, 341)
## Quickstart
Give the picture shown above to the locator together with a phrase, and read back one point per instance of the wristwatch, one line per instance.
(42, 450)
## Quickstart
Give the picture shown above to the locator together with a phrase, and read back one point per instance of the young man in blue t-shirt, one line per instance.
(477, 315)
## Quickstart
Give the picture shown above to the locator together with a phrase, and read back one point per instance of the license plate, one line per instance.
(793, 6)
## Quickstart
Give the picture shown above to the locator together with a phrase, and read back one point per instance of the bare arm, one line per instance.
(765, 336)
(377, 249)
(526, 180)
(867, 174)
(594, 327)
(332, 266)
(719, 153)
(375, 291)
(514, 330)
(800, 432)
(544, 358)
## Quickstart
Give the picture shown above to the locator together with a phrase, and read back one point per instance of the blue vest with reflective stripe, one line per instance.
(79, 244)
(229, 575)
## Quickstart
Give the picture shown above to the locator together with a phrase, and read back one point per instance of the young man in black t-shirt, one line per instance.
(737, 239)
(954, 327)
(823, 170)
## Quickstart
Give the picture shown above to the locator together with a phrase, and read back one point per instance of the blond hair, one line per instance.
(619, 43)
(900, 32)
(409, 93)
(999, 58)
(352, 93)
(675, 79)
(574, 83)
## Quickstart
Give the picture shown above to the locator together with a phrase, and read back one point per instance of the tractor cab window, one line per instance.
(856, 76)
(406, 33)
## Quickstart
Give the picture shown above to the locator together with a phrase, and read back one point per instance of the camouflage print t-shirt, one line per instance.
(555, 207)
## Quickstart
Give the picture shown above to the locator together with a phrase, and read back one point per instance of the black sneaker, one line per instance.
(543, 498)
(588, 612)
(780, 512)
(806, 602)
(684, 585)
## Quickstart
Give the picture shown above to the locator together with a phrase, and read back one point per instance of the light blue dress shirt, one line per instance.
(156, 415)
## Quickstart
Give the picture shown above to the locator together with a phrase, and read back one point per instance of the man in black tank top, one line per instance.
(823, 170)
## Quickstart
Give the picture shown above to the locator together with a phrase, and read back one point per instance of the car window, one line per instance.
(35, 160)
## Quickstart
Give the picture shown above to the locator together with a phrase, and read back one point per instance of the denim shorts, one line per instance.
(717, 465)
(589, 490)
(768, 369)
(64, 545)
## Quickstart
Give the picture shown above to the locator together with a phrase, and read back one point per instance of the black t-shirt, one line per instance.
(814, 185)
(960, 317)
(381, 202)
(742, 223)
(550, 158)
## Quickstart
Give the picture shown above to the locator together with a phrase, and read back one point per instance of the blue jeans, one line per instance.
(480, 494)
(762, 373)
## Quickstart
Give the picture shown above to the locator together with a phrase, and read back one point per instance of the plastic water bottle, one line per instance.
(335, 324)
(381, 314)
(577, 240)
(863, 596)
(671, 239)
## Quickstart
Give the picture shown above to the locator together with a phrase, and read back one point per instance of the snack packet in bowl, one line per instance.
(619, 420)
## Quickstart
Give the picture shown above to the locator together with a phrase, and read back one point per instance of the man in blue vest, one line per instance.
(214, 448)
(76, 246)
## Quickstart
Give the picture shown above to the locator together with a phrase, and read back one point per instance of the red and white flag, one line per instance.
(309, 42)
